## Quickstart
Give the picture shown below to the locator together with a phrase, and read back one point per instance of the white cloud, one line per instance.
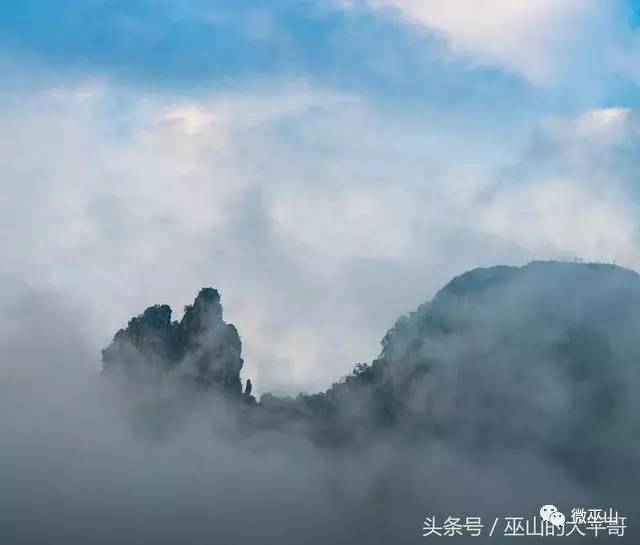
(565, 218)
(575, 192)
(604, 127)
(319, 218)
(282, 199)
(192, 119)
(540, 39)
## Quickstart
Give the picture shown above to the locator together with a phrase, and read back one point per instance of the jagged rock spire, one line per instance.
(201, 348)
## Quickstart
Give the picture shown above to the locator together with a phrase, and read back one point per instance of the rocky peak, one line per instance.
(201, 349)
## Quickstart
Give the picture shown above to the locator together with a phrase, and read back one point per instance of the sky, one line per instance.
(326, 165)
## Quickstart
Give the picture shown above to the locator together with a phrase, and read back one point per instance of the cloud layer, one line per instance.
(318, 218)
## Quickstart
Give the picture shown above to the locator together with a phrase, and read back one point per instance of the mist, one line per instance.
(86, 458)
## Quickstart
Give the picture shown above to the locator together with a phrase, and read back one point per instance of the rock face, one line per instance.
(200, 349)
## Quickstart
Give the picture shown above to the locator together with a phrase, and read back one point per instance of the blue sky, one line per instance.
(326, 165)
(191, 46)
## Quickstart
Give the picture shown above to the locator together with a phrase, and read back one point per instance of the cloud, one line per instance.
(604, 128)
(542, 40)
(295, 202)
(574, 189)
(83, 461)
(319, 215)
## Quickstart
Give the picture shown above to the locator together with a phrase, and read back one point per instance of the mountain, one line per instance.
(201, 349)
(539, 358)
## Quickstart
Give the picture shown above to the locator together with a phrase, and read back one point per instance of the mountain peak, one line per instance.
(200, 349)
